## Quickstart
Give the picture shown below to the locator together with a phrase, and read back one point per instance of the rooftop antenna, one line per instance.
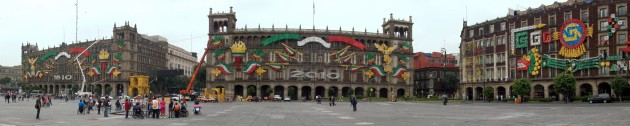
(76, 24)
(466, 18)
(313, 14)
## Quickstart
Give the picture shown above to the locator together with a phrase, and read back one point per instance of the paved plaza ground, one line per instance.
(312, 114)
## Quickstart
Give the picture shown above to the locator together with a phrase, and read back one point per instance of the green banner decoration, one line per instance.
(615, 58)
(48, 55)
(278, 37)
(521, 39)
(571, 65)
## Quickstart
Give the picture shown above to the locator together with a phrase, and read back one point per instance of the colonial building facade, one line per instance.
(302, 63)
(585, 38)
(429, 71)
(179, 58)
(105, 63)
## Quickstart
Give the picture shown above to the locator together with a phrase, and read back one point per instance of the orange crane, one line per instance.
(192, 79)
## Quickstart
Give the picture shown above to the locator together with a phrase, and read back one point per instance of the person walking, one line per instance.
(106, 107)
(445, 99)
(38, 106)
(156, 108)
(118, 106)
(170, 109)
(127, 107)
(319, 99)
(176, 110)
(353, 102)
(6, 98)
(162, 108)
(98, 106)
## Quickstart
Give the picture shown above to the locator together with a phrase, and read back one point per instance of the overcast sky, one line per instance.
(437, 23)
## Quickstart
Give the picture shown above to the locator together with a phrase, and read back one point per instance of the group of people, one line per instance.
(90, 102)
(331, 101)
(157, 108)
(13, 97)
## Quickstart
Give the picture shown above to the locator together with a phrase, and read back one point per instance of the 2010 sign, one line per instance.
(62, 77)
(301, 74)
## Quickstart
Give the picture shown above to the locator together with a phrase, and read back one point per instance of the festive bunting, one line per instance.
(341, 52)
(276, 66)
(402, 60)
(405, 46)
(347, 40)
(219, 54)
(521, 39)
(370, 58)
(313, 39)
(93, 60)
(216, 41)
(94, 71)
(120, 44)
(377, 70)
(48, 55)
(79, 50)
(278, 37)
(64, 54)
(223, 67)
(111, 69)
(399, 71)
(355, 68)
(289, 50)
(284, 57)
(251, 66)
(118, 58)
(571, 65)
(346, 58)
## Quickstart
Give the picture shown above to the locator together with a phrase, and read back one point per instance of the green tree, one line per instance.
(565, 85)
(488, 92)
(5, 80)
(619, 85)
(331, 92)
(269, 91)
(291, 92)
(350, 92)
(26, 88)
(251, 91)
(521, 87)
(108, 90)
(97, 89)
(75, 88)
(450, 84)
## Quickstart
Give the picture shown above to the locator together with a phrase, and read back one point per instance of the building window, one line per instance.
(552, 20)
(523, 23)
(536, 21)
(481, 31)
(471, 33)
(503, 26)
(623, 25)
(567, 16)
(603, 26)
(603, 12)
(621, 38)
(584, 15)
(491, 29)
(603, 40)
(621, 10)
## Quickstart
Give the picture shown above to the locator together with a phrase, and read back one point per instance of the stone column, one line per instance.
(285, 92)
(546, 91)
(299, 92)
(577, 90)
(595, 90)
(508, 92)
(496, 92)
(474, 93)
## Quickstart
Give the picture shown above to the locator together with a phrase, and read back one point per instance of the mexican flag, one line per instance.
(216, 41)
(341, 52)
(225, 69)
(377, 70)
(257, 54)
(117, 58)
(283, 57)
(276, 66)
(355, 68)
(402, 60)
(111, 69)
(346, 59)
(238, 58)
(251, 67)
(120, 45)
(95, 70)
(399, 71)
(289, 50)
(93, 60)
(405, 46)
(370, 59)
(219, 54)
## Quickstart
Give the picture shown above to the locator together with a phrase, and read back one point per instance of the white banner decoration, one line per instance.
(62, 54)
(534, 38)
(313, 39)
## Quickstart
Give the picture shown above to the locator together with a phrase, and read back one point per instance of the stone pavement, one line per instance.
(311, 114)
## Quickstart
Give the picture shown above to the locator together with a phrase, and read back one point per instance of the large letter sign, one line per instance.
(301, 74)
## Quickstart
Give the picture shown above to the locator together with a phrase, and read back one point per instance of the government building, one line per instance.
(105, 63)
(301, 62)
(585, 38)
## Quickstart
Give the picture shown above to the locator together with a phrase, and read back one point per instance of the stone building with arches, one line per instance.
(108, 63)
(585, 38)
(308, 61)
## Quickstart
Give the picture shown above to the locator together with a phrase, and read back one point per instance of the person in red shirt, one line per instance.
(127, 107)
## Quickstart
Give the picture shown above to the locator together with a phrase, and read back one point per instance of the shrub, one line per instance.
(540, 100)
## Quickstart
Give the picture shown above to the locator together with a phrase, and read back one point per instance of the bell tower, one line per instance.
(399, 28)
(221, 22)
(125, 33)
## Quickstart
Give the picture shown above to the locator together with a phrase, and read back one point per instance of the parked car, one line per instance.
(603, 97)
(204, 99)
(277, 98)
(287, 99)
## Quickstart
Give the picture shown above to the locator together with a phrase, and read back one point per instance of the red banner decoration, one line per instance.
(546, 37)
(522, 64)
(347, 40)
(79, 50)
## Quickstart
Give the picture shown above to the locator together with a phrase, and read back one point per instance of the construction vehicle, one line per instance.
(187, 91)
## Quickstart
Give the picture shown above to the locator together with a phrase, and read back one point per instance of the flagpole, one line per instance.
(313, 14)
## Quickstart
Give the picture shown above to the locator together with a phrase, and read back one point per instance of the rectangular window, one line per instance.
(603, 40)
(603, 26)
(567, 16)
(471, 33)
(491, 29)
(552, 20)
(621, 10)
(523, 23)
(621, 38)
(536, 21)
(503, 26)
(481, 31)
(603, 12)
(623, 25)
(584, 15)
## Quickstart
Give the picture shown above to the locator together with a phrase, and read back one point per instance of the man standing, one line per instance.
(156, 108)
(445, 99)
(38, 106)
(170, 109)
(98, 105)
(106, 107)
(127, 107)
(353, 101)
(6, 97)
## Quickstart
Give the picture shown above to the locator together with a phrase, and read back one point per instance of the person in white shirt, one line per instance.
(156, 108)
